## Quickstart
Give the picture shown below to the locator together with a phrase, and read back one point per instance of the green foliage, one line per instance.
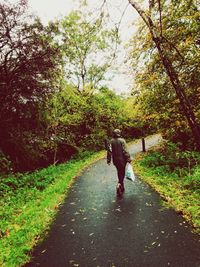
(176, 176)
(193, 181)
(44, 118)
(28, 65)
(86, 121)
(170, 159)
(157, 99)
(87, 48)
(5, 164)
(29, 197)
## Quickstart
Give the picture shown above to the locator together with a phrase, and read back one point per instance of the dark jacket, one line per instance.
(117, 151)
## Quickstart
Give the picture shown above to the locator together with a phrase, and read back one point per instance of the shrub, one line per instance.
(170, 157)
(5, 164)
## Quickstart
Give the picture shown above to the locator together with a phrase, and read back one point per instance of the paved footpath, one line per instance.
(95, 229)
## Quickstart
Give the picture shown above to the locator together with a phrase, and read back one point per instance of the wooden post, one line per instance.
(143, 145)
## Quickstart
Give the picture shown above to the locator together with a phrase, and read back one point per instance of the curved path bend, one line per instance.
(95, 229)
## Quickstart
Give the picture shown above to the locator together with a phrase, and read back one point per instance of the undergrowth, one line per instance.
(175, 175)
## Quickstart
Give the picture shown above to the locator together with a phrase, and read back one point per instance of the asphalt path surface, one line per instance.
(94, 228)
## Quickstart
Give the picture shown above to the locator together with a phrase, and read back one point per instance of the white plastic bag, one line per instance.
(129, 174)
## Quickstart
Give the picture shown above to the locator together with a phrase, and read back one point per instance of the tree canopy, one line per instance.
(87, 48)
(29, 64)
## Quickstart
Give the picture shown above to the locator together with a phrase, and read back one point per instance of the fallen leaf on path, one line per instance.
(72, 231)
(118, 209)
(148, 204)
(82, 210)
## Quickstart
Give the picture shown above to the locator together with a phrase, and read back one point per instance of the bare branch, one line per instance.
(147, 19)
(117, 35)
(160, 17)
(124, 11)
(151, 6)
(140, 12)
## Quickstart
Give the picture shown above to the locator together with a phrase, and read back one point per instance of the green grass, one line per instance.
(182, 192)
(29, 203)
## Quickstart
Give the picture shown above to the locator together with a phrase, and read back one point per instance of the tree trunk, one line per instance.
(184, 102)
(173, 76)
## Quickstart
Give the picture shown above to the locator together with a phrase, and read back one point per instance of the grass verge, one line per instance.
(172, 189)
(29, 204)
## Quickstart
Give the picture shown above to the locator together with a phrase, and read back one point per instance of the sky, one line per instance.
(51, 9)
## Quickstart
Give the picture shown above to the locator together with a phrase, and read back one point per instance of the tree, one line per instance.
(154, 21)
(29, 62)
(87, 49)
